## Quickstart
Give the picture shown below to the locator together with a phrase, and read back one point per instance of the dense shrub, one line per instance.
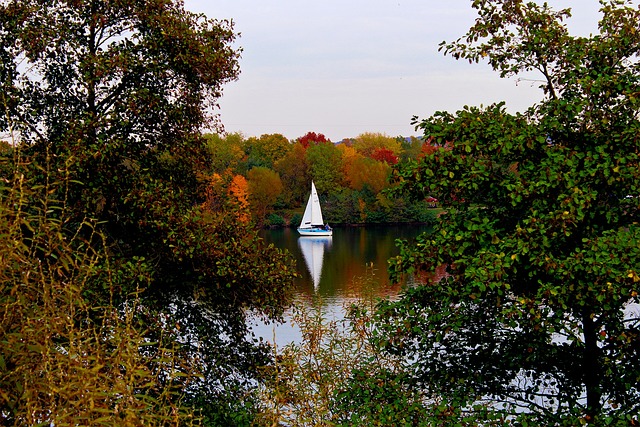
(295, 221)
(275, 220)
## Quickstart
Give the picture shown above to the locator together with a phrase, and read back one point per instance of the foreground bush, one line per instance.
(67, 356)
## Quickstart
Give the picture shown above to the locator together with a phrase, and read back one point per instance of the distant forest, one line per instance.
(267, 179)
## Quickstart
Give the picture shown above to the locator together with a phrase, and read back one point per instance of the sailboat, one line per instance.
(312, 223)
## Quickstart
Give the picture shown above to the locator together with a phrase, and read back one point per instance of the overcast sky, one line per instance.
(344, 67)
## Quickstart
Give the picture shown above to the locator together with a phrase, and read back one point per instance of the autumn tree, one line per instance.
(312, 138)
(228, 193)
(64, 360)
(536, 321)
(369, 142)
(384, 154)
(264, 188)
(294, 174)
(364, 171)
(349, 156)
(239, 191)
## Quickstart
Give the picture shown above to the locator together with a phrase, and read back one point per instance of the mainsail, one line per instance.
(312, 214)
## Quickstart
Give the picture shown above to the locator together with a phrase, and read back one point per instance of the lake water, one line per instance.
(351, 263)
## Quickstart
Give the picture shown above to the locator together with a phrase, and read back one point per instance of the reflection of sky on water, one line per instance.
(281, 334)
(337, 270)
(333, 309)
(287, 333)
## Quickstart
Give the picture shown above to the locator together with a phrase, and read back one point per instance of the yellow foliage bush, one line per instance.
(66, 358)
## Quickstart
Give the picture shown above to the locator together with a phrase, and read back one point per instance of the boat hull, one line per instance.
(315, 232)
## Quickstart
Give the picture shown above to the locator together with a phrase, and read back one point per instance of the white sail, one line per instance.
(312, 214)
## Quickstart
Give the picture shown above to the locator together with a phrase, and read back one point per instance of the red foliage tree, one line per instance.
(312, 137)
(384, 155)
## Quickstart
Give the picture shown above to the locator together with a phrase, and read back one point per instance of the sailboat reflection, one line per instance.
(313, 249)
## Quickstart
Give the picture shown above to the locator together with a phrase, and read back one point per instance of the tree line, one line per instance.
(270, 176)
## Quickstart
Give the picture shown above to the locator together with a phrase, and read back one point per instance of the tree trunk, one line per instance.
(591, 367)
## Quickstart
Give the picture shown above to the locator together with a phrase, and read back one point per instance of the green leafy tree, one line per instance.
(266, 150)
(114, 95)
(537, 319)
(324, 163)
(411, 147)
(226, 152)
(342, 207)
(110, 86)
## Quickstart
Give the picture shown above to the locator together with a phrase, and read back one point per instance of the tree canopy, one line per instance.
(536, 319)
(113, 92)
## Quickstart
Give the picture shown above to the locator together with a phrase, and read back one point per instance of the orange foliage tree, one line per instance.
(350, 162)
(228, 193)
(239, 192)
(365, 171)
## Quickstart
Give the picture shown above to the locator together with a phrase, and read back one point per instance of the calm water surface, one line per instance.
(351, 262)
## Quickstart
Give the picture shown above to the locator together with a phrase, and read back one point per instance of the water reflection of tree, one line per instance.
(506, 353)
(216, 339)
